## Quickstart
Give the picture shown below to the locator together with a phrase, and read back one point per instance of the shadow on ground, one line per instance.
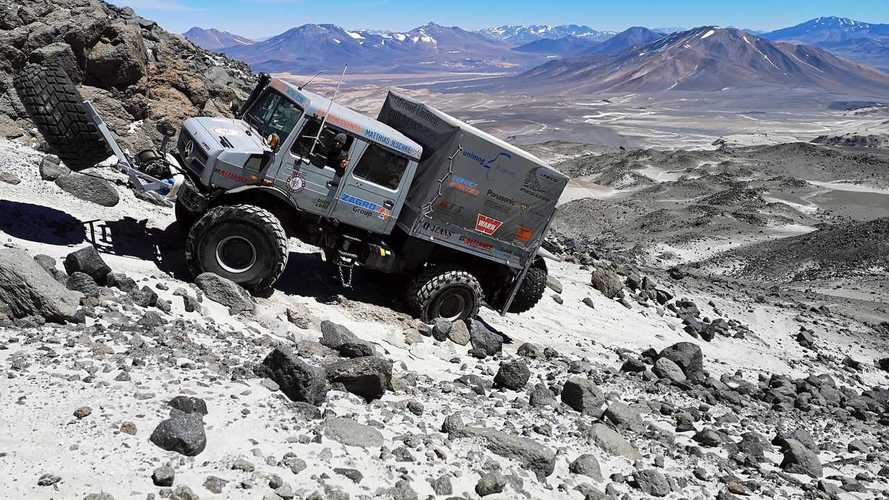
(40, 224)
(129, 237)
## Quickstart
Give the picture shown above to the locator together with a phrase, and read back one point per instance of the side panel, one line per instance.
(309, 187)
(367, 205)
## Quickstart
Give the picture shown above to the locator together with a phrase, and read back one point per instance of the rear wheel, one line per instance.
(530, 292)
(56, 107)
(447, 292)
(243, 243)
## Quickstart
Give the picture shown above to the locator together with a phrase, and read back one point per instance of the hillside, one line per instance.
(862, 42)
(214, 39)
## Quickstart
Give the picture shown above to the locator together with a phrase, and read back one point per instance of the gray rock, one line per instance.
(163, 476)
(800, 460)
(49, 264)
(490, 483)
(51, 168)
(354, 475)
(99, 496)
(183, 493)
(89, 188)
(48, 480)
(441, 329)
(341, 339)
(512, 375)
(189, 404)
(29, 290)
(402, 491)
(349, 432)
(583, 396)
(83, 283)
(368, 377)
(529, 350)
(88, 261)
(442, 485)
(669, 370)
(119, 59)
(542, 396)
(484, 341)
(215, 484)
(225, 292)
(459, 333)
(59, 54)
(293, 462)
(529, 453)
(120, 281)
(608, 282)
(452, 423)
(298, 380)
(688, 356)
(652, 482)
(553, 284)
(9, 178)
(586, 465)
(606, 438)
(182, 433)
(624, 416)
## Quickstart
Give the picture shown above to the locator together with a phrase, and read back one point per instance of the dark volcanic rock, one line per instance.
(226, 292)
(652, 482)
(583, 396)
(341, 339)
(688, 356)
(586, 465)
(800, 460)
(83, 283)
(484, 341)
(490, 483)
(608, 282)
(189, 404)
(512, 375)
(29, 290)
(297, 379)
(163, 476)
(182, 433)
(89, 188)
(368, 376)
(88, 261)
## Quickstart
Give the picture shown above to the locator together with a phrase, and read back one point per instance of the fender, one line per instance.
(256, 190)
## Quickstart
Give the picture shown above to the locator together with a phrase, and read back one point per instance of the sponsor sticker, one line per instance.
(463, 184)
(437, 230)
(367, 208)
(491, 164)
(487, 225)
(524, 233)
(296, 182)
(531, 185)
(235, 177)
(476, 243)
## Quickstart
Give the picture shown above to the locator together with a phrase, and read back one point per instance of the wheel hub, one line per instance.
(235, 254)
(451, 304)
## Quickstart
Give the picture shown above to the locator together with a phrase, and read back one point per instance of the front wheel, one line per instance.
(244, 243)
(446, 292)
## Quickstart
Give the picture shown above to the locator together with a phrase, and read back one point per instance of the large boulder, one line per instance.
(28, 289)
(341, 339)
(368, 376)
(119, 59)
(87, 261)
(89, 188)
(512, 374)
(484, 341)
(608, 282)
(182, 433)
(226, 292)
(799, 459)
(529, 453)
(687, 356)
(582, 395)
(61, 55)
(298, 380)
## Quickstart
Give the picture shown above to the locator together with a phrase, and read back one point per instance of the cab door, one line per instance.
(373, 190)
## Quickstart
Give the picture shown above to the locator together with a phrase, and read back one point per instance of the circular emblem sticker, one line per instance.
(295, 182)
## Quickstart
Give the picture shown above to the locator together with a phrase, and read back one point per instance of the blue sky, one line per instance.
(262, 18)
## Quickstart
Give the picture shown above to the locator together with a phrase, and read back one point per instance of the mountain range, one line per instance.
(705, 59)
(812, 54)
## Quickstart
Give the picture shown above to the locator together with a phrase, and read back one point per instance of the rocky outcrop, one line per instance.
(27, 289)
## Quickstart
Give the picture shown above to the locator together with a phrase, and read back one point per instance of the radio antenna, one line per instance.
(310, 80)
(329, 105)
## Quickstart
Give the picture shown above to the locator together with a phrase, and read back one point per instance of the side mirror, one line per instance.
(273, 141)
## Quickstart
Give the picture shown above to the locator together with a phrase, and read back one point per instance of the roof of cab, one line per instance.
(349, 119)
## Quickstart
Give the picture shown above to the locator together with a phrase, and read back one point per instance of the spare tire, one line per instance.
(56, 107)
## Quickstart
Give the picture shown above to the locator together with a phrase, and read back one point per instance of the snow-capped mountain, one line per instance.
(707, 59)
(314, 47)
(520, 34)
(866, 43)
(214, 39)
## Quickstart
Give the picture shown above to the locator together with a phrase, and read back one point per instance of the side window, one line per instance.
(326, 151)
(274, 113)
(381, 166)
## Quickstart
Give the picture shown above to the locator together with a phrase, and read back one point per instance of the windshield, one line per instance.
(273, 114)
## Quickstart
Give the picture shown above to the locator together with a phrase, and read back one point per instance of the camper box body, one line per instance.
(473, 192)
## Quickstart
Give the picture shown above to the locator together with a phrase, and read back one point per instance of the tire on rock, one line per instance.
(244, 243)
(530, 292)
(444, 291)
(56, 107)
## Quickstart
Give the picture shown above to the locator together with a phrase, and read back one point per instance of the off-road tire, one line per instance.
(56, 107)
(530, 292)
(248, 222)
(424, 290)
(185, 218)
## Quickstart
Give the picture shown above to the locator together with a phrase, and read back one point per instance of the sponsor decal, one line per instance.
(226, 131)
(523, 233)
(322, 203)
(437, 230)
(245, 179)
(367, 208)
(532, 185)
(487, 225)
(463, 184)
(476, 243)
(490, 163)
(449, 206)
(295, 183)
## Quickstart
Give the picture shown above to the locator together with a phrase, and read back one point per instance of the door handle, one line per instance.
(331, 184)
(388, 204)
